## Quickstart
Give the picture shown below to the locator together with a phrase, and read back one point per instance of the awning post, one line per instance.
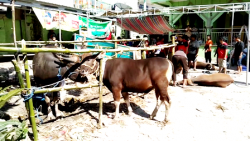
(248, 44)
(232, 28)
(60, 30)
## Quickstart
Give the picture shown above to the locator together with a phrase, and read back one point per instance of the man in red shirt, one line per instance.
(182, 44)
(222, 54)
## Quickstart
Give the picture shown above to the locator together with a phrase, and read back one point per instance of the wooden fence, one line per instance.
(24, 51)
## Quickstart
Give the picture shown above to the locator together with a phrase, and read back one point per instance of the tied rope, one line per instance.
(28, 96)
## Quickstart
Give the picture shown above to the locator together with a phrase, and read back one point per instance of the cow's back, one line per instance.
(44, 69)
(135, 75)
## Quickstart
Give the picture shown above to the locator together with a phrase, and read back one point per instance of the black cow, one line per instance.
(50, 68)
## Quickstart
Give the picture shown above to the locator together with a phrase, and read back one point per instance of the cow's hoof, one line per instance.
(166, 121)
(130, 113)
(60, 115)
(51, 117)
(116, 117)
(152, 117)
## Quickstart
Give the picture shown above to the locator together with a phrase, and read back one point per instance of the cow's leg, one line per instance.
(158, 104)
(57, 100)
(126, 98)
(161, 90)
(61, 95)
(50, 114)
(164, 97)
(117, 96)
(167, 104)
(59, 113)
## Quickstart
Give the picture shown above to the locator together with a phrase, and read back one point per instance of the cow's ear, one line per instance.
(101, 55)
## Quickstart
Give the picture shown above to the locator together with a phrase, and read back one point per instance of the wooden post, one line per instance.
(60, 30)
(14, 28)
(144, 52)
(173, 42)
(248, 46)
(30, 101)
(100, 93)
(116, 47)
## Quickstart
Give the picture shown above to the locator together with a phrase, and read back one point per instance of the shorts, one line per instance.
(238, 61)
(222, 63)
(191, 57)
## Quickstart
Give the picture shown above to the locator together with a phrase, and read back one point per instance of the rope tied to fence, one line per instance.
(29, 96)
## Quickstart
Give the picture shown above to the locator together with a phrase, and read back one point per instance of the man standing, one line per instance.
(193, 51)
(182, 44)
(238, 52)
(180, 58)
(208, 49)
(222, 55)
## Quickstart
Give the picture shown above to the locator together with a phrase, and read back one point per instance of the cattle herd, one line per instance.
(120, 76)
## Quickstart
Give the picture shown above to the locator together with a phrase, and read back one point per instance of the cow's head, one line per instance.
(209, 67)
(78, 67)
(91, 65)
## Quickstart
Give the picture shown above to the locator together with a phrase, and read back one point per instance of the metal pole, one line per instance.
(116, 47)
(100, 93)
(60, 31)
(145, 5)
(231, 39)
(13, 22)
(95, 5)
(30, 102)
(79, 24)
(88, 22)
(248, 48)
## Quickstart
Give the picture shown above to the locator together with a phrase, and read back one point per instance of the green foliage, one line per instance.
(13, 130)
(6, 97)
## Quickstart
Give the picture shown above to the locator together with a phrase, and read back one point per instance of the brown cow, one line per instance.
(123, 75)
(216, 79)
(202, 65)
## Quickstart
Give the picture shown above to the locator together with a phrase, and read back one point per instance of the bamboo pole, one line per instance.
(18, 72)
(30, 101)
(60, 30)
(144, 52)
(174, 43)
(100, 93)
(13, 22)
(58, 50)
(20, 78)
(7, 44)
(65, 42)
(57, 89)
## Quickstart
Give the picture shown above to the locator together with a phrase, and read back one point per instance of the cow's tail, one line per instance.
(172, 69)
(171, 72)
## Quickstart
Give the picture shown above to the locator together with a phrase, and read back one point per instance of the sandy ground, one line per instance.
(198, 113)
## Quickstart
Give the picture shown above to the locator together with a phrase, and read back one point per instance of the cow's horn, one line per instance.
(63, 58)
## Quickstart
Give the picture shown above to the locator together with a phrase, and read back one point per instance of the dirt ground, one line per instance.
(197, 113)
